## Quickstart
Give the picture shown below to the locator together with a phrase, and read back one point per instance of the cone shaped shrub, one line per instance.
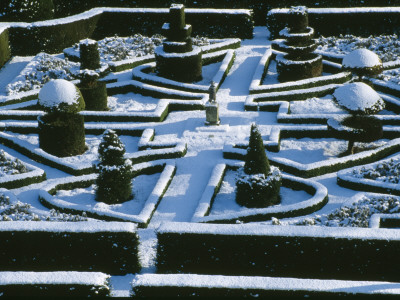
(258, 183)
(114, 182)
(256, 161)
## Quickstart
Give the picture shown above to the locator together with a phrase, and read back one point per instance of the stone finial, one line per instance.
(212, 92)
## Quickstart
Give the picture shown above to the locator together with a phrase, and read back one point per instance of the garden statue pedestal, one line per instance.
(212, 107)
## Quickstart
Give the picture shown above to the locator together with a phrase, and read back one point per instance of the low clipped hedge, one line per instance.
(278, 251)
(318, 198)
(142, 219)
(54, 284)
(321, 167)
(109, 247)
(219, 286)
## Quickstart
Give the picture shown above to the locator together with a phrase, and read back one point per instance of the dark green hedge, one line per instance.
(26, 10)
(93, 250)
(174, 290)
(279, 255)
(50, 38)
(260, 8)
(334, 23)
(53, 38)
(13, 184)
(215, 24)
(42, 289)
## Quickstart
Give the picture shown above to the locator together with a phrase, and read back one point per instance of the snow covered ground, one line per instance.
(204, 150)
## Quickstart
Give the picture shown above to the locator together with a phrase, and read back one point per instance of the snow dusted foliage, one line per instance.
(258, 183)
(60, 95)
(119, 48)
(387, 47)
(114, 182)
(363, 62)
(388, 171)
(10, 166)
(356, 215)
(18, 211)
(256, 161)
(358, 98)
(361, 58)
(40, 70)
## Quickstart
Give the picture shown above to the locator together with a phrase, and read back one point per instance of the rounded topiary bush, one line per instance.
(26, 10)
(114, 181)
(358, 98)
(61, 129)
(363, 62)
(61, 96)
(258, 184)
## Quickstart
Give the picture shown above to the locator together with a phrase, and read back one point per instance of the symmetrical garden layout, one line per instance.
(183, 234)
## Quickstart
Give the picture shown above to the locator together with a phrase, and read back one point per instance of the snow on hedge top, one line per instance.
(358, 97)
(62, 96)
(361, 58)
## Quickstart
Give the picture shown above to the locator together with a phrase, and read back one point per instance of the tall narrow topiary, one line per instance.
(256, 161)
(258, 183)
(114, 182)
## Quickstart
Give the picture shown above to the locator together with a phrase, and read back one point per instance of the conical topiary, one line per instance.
(257, 184)
(114, 182)
(256, 161)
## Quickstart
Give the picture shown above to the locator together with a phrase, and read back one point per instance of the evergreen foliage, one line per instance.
(256, 161)
(257, 184)
(114, 182)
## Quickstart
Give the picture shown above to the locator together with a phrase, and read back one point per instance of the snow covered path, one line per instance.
(205, 143)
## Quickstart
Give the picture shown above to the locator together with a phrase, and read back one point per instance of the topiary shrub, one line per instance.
(61, 129)
(114, 182)
(361, 101)
(27, 10)
(258, 183)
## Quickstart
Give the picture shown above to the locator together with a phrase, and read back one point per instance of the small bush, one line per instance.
(257, 184)
(114, 182)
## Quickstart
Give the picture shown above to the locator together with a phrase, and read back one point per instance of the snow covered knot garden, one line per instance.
(183, 151)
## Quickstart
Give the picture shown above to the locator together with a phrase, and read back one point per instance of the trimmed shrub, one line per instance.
(62, 134)
(257, 184)
(95, 97)
(114, 183)
(89, 54)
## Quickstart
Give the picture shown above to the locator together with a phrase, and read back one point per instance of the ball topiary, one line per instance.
(61, 129)
(258, 184)
(114, 181)
(363, 62)
(60, 96)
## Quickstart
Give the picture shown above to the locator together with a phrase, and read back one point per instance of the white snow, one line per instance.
(266, 283)
(357, 96)
(58, 91)
(361, 58)
(61, 277)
